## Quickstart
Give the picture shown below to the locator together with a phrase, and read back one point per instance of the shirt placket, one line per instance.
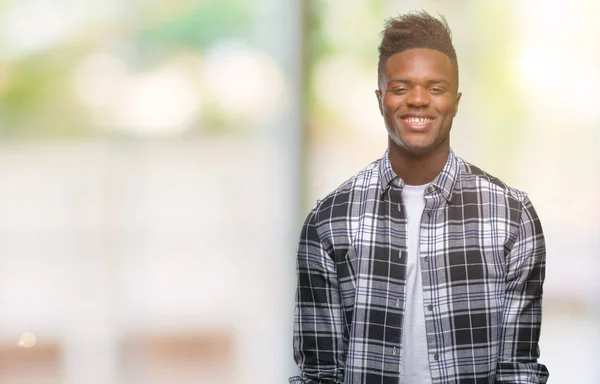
(398, 245)
(428, 261)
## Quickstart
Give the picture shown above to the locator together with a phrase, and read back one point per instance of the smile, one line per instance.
(417, 122)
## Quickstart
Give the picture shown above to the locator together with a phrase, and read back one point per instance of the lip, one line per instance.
(417, 127)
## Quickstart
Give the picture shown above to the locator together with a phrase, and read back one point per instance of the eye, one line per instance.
(399, 90)
(437, 90)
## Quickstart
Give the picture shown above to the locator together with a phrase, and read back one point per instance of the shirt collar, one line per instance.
(444, 181)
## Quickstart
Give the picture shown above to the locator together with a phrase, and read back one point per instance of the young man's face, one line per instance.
(418, 100)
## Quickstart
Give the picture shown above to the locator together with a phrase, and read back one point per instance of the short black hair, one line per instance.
(415, 30)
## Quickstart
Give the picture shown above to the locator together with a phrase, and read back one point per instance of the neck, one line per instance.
(417, 169)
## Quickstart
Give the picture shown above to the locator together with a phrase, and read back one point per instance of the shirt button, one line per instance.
(430, 188)
(426, 258)
(430, 307)
(429, 213)
(436, 356)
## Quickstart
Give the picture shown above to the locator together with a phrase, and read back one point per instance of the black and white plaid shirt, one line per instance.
(483, 260)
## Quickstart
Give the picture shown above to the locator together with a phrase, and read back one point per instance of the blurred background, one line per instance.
(157, 159)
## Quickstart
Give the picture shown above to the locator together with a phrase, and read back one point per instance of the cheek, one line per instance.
(385, 104)
(452, 107)
(391, 103)
(388, 111)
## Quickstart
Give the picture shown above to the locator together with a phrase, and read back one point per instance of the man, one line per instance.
(421, 268)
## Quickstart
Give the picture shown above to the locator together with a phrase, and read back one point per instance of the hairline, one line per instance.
(381, 67)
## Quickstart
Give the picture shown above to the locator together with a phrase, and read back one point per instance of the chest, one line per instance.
(462, 242)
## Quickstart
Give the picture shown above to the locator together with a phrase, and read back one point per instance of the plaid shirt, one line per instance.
(483, 264)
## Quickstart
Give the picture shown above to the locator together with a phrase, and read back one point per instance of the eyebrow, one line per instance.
(406, 81)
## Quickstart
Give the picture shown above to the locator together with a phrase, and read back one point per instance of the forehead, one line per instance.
(420, 64)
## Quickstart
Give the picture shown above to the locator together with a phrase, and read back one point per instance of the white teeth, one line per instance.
(417, 120)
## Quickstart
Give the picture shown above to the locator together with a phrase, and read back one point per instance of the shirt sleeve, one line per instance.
(525, 273)
(318, 322)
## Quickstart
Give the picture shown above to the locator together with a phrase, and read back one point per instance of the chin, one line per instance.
(419, 151)
(416, 146)
(411, 149)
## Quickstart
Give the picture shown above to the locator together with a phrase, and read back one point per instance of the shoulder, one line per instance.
(339, 203)
(474, 179)
(498, 201)
(335, 217)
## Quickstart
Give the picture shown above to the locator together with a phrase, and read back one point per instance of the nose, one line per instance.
(418, 97)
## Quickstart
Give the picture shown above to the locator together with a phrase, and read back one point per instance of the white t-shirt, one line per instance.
(414, 366)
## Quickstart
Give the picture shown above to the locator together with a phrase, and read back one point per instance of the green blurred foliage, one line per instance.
(36, 98)
(36, 101)
(501, 106)
(361, 23)
(196, 26)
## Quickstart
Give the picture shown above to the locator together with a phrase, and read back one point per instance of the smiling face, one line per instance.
(418, 100)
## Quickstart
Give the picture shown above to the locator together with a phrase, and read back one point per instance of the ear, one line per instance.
(379, 100)
(456, 102)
